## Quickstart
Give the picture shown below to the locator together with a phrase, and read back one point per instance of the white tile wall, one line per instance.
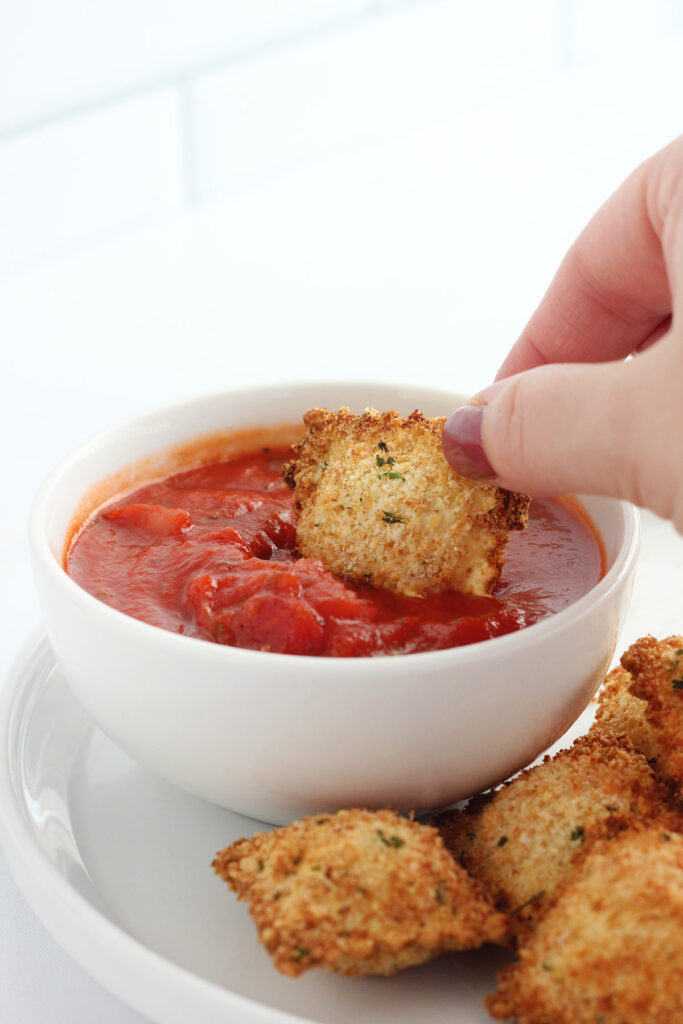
(115, 114)
(76, 180)
(386, 5)
(366, 83)
(602, 30)
(58, 54)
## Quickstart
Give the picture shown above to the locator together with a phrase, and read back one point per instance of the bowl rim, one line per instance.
(622, 565)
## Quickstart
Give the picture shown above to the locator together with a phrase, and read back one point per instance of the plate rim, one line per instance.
(143, 979)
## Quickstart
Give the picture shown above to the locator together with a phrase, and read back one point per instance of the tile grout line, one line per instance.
(187, 126)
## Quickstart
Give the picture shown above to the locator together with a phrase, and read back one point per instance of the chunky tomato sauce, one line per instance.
(210, 553)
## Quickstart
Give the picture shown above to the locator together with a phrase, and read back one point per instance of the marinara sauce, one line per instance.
(210, 553)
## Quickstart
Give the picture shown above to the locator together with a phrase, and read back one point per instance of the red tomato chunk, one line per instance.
(211, 553)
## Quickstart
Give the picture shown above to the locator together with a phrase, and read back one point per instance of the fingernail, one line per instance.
(461, 441)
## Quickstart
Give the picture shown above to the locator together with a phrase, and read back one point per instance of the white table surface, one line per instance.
(415, 261)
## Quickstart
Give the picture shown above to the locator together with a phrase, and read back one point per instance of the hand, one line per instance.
(569, 412)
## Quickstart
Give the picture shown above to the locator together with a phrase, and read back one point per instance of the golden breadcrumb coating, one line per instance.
(609, 950)
(620, 713)
(377, 500)
(358, 892)
(656, 668)
(519, 841)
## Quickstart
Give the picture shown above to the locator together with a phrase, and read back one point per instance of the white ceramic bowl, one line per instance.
(275, 736)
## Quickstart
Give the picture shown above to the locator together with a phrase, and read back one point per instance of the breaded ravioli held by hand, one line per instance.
(609, 950)
(377, 501)
(358, 892)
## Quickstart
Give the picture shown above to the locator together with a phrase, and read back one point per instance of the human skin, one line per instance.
(569, 412)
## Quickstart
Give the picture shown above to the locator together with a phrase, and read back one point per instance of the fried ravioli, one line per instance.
(656, 669)
(621, 714)
(519, 841)
(609, 950)
(377, 501)
(358, 892)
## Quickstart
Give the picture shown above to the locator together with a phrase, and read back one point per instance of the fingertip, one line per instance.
(488, 393)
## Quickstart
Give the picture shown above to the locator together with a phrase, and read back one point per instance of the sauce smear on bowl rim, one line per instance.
(210, 552)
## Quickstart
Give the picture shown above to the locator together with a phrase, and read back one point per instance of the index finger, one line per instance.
(612, 290)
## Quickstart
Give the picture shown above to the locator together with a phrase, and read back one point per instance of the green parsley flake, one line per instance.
(301, 952)
(677, 684)
(502, 841)
(390, 517)
(394, 841)
(578, 835)
(532, 899)
(441, 894)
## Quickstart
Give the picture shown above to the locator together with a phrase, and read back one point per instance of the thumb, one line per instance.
(605, 428)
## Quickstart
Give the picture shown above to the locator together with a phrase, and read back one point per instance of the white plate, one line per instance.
(116, 863)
